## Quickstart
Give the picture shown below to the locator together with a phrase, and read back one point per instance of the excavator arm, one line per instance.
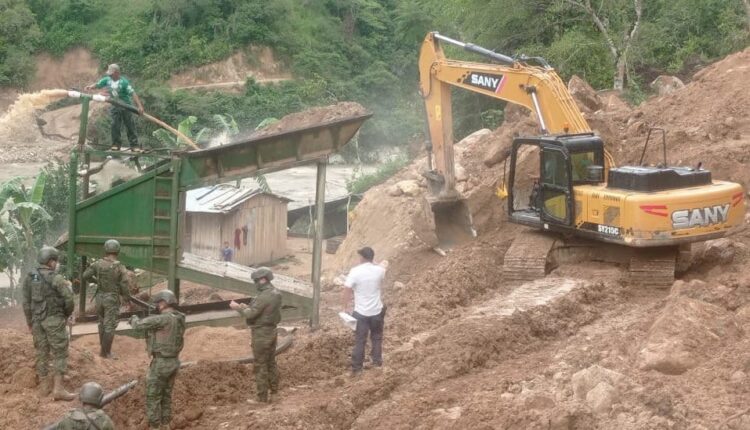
(536, 87)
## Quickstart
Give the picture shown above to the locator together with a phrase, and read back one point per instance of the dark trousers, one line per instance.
(374, 326)
(120, 116)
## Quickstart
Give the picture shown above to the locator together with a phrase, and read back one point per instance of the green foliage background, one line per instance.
(361, 50)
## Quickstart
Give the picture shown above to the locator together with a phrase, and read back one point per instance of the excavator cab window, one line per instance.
(580, 163)
(555, 187)
(540, 187)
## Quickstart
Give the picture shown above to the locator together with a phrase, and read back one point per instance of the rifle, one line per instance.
(140, 302)
(108, 398)
(118, 392)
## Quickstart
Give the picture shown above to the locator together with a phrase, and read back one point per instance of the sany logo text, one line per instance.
(484, 81)
(700, 217)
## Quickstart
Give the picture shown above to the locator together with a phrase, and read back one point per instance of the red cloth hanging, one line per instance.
(237, 238)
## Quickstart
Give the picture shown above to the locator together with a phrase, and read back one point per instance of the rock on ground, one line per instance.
(409, 188)
(685, 334)
(587, 379)
(601, 398)
(666, 84)
(584, 94)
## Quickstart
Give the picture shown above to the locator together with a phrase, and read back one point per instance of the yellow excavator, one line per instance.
(642, 216)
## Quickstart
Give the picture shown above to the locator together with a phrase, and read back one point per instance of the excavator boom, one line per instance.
(536, 87)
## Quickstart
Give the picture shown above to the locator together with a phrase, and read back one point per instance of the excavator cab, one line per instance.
(542, 197)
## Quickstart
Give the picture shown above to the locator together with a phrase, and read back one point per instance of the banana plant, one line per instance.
(20, 214)
(185, 127)
(227, 124)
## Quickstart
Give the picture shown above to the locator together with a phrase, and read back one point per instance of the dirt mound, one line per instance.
(709, 116)
(193, 294)
(686, 334)
(313, 116)
(259, 63)
(317, 355)
(197, 389)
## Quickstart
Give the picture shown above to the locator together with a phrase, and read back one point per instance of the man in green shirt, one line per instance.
(119, 88)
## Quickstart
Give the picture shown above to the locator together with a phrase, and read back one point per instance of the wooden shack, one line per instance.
(253, 222)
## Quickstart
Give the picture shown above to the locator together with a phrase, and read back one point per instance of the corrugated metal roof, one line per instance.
(222, 198)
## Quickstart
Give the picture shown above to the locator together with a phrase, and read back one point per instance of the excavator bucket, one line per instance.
(453, 222)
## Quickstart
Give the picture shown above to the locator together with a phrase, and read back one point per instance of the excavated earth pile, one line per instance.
(579, 349)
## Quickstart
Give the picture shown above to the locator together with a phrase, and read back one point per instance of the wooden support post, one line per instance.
(320, 198)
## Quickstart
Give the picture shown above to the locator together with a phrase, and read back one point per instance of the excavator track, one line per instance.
(653, 268)
(533, 254)
(528, 257)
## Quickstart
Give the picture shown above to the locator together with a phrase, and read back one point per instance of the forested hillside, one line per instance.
(366, 50)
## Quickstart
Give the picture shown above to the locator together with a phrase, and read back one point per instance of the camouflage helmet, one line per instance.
(165, 295)
(46, 254)
(262, 272)
(91, 394)
(112, 246)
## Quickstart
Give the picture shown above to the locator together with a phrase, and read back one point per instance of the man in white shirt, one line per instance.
(364, 285)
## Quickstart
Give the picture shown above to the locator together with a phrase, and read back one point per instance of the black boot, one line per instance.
(102, 351)
(108, 340)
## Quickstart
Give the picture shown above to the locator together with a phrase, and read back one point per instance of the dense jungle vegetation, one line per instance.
(366, 50)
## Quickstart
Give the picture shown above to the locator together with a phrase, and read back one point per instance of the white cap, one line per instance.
(112, 68)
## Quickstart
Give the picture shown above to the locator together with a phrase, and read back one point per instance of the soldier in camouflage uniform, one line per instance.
(47, 305)
(263, 315)
(112, 281)
(90, 416)
(164, 341)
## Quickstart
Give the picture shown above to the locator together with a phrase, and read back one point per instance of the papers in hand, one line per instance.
(348, 320)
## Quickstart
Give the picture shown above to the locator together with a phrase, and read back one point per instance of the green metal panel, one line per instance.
(129, 213)
(267, 154)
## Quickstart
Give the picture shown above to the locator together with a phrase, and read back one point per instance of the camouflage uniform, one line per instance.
(86, 418)
(47, 304)
(112, 281)
(262, 316)
(164, 341)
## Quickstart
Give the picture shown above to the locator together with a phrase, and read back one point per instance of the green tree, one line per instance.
(19, 36)
(618, 22)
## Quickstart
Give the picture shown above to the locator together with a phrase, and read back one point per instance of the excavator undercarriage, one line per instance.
(534, 254)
